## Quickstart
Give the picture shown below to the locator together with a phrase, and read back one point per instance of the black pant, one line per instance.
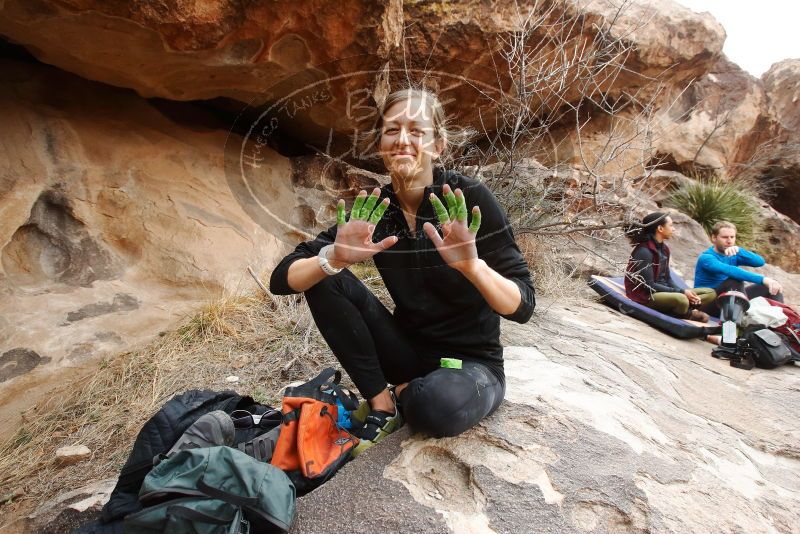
(373, 349)
(751, 290)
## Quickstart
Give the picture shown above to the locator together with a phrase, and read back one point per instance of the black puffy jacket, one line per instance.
(157, 436)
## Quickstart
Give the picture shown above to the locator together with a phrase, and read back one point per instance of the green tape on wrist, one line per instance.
(451, 363)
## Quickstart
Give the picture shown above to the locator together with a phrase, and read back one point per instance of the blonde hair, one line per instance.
(441, 129)
(720, 225)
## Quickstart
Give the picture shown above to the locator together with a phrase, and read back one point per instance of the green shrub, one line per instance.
(714, 200)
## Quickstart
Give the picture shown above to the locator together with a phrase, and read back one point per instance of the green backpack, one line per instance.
(213, 490)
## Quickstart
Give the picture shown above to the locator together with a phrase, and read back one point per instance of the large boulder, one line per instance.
(115, 220)
(607, 426)
(780, 238)
(731, 124)
(342, 58)
(703, 129)
(781, 161)
(120, 215)
(190, 50)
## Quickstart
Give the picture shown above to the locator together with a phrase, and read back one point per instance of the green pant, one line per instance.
(677, 304)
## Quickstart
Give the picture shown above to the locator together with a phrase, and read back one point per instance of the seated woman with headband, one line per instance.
(648, 279)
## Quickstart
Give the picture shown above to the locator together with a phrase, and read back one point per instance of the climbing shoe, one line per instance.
(374, 425)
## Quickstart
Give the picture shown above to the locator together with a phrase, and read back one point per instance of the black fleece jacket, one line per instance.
(644, 258)
(436, 305)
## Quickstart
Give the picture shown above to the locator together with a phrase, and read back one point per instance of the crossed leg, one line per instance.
(373, 350)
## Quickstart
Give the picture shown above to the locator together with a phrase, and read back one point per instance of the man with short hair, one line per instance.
(719, 267)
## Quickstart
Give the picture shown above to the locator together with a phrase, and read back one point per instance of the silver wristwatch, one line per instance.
(322, 258)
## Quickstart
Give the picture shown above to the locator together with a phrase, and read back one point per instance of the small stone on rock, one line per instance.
(72, 454)
(232, 379)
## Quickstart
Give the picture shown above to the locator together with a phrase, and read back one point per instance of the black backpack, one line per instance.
(213, 490)
(769, 348)
(158, 435)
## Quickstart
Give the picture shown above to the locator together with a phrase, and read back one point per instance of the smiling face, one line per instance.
(409, 143)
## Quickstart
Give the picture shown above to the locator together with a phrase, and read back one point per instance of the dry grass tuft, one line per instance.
(552, 277)
(267, 341)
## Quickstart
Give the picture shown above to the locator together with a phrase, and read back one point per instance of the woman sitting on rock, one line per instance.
(449, 281)
(648, 279)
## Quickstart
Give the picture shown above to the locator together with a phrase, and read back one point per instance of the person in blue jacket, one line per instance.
(719, 267)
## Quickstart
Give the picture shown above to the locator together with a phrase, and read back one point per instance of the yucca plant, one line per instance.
(714, 200)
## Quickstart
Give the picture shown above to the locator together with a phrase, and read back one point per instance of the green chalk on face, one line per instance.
(451, 363)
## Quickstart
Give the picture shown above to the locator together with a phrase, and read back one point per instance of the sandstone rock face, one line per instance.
(702, 129)
(665, 34)
(118, 216)
(732, 124)
(781, 237)
(782, 86)
(606, 427)
(198, 50)
(252, 53)
(258, 53)
(114, 221)
(704, 126)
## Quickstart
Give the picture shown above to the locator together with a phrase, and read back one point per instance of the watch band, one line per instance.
(322, 258)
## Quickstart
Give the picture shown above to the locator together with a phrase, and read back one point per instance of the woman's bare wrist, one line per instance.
(336, 263)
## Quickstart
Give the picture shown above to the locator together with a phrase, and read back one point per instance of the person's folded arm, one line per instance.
(751, 259)
(712, 264)
(502, 275)
(505, 284)
(304, 274)
(644, 271)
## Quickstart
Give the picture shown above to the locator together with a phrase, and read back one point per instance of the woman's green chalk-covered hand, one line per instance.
(456, 245)
(353, 242)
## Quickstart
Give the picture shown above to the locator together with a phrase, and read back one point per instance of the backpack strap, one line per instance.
(324, 377)
(194, 515)
(230, 498)
(348, 401)
(261, 447)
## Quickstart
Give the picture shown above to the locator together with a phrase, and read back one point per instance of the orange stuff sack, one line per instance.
(312, 446)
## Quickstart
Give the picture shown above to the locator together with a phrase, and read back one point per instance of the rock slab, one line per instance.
(607, 426)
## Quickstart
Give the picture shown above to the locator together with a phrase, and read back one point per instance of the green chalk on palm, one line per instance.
(450, 363)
